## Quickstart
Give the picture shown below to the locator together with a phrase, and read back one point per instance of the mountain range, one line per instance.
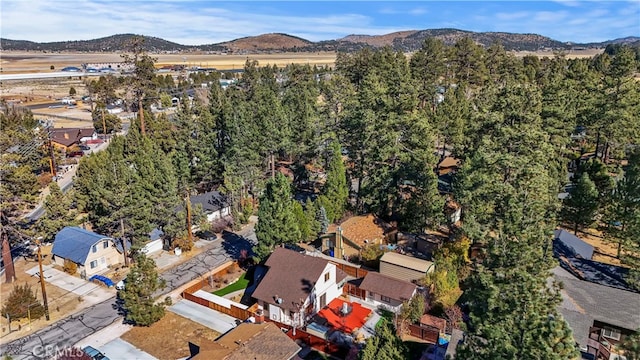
(407, 41)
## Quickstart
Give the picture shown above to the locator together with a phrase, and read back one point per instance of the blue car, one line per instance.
(94, 353)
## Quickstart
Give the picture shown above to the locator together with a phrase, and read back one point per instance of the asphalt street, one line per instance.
(64, 333)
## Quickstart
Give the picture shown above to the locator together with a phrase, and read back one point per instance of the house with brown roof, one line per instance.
(66, 138)
(297, 286)
(355, 233)
(247, 341)
(384, 291)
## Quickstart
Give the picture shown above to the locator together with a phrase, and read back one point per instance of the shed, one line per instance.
(403, 267)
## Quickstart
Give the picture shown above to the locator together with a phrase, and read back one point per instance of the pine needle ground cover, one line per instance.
(240, 284)
(169, 337)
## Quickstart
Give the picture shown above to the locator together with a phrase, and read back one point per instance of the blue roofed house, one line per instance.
(92, 253)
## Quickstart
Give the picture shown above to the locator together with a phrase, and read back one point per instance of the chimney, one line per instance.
(339, 248)
(66, 136)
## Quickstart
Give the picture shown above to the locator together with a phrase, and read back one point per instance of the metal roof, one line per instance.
(406, 261)
(577, 245)
(74, 243)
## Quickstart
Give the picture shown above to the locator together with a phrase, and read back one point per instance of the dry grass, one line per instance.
(169, 338)
(61, 302)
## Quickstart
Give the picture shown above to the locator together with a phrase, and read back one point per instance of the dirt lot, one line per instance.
(61, 302)
(25, 62)
(169, 338)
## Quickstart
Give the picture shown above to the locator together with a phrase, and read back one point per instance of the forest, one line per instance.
(377, 125)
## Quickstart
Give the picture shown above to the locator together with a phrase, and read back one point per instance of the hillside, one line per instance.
(114, 43)
(407, 41)
(265, 42)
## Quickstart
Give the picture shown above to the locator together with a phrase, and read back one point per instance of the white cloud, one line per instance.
(513, 16)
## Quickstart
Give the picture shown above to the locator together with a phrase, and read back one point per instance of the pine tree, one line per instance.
(138, 298)
(384, 345)
(58, 213)
(311, 211)
(277, 223)
(22, 303)
(335, 188)
(582, 204)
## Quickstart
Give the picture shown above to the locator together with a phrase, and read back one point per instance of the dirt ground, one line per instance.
(61, 302)
(169, 338)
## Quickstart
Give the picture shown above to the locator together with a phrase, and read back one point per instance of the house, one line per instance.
(384, 291)
(92, 253)
(577, 246)
(600, 316)
(403, 267)
(297, 286)
(247, 341)
(448, 165)
(214, 204)
(352, 235)
(66, 138)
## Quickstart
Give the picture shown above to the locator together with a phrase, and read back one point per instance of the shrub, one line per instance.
(22, 303)
(70, 267)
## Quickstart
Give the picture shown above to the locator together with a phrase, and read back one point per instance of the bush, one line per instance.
(70, 267)
(22, 303)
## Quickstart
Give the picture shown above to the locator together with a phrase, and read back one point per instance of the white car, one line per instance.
(120, 285)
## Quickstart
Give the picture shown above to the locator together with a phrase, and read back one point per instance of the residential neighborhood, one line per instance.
(454, 199)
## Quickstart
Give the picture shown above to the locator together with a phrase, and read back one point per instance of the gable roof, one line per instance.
(359, 229)
(408, 262)
(211, 201)
(574, 243)
(584, 301)
(74, 243)
(69, 136)
(291, 277)
(250, 341)
(388, 286)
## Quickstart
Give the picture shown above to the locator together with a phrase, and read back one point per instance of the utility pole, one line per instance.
(44, 290)
(124, 244)
(273, 166)
(52, 159)
(189, 232)
(7, 258)
(141, 112)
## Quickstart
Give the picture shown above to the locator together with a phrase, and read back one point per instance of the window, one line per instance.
(385, 299)
(611, 333)
(94, 264)
(327, 276)
(105, 244)
(94, 248)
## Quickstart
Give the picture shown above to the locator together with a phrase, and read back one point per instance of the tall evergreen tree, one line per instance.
(138, 295)
(581, 205)
(277, 223)
(384, 345)
(335, 188)
(57, 213)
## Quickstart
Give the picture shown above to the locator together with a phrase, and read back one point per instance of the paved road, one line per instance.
(66, 332)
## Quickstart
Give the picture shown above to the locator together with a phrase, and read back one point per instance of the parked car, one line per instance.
(120, 285)
(84, 147)
(94, 353)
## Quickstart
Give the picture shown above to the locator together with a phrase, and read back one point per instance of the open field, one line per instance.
(169, 338)
(25, 62)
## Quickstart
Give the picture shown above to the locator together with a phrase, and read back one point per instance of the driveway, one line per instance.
(210, 318)
(90, 292)
(120, 349)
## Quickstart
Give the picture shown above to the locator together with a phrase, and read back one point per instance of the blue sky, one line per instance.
(205, 22)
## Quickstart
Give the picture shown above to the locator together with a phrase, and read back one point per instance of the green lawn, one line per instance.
(242, 283)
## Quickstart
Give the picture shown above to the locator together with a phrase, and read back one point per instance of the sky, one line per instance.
(197, 22)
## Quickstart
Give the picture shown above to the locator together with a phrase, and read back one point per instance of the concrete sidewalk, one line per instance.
(210, 318)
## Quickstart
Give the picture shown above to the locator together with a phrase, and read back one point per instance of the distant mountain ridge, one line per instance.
(409, 40)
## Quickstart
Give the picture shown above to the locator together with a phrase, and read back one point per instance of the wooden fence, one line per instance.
(351, 270)
(426, 333)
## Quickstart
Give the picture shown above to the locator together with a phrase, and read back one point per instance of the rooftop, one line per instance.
(250, 341)
(584, 301)
(291, 277)
(408, 262)
(210, 201)
(74, 243)
(388, 286)
(362, 230)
